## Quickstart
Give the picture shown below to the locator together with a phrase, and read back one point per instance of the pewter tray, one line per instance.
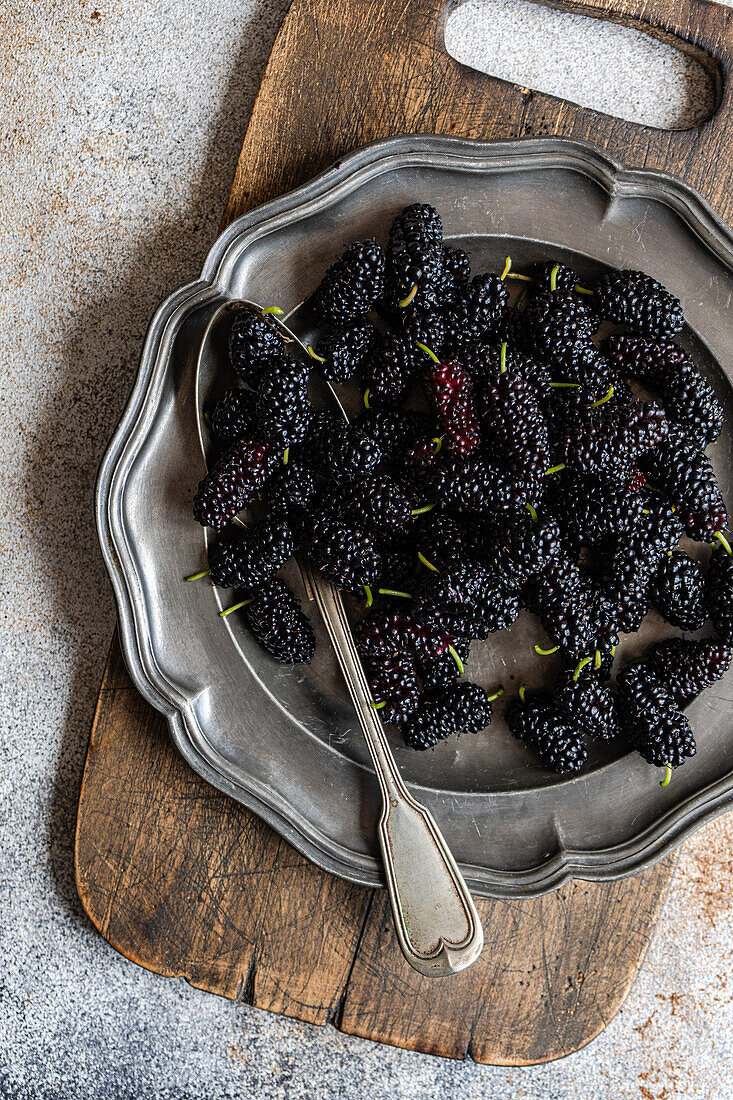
(285, 742)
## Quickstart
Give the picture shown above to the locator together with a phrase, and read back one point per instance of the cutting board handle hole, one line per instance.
(589, 61)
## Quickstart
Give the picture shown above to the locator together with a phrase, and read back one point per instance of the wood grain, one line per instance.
(372, 68)
(553, 973)
(184, 881)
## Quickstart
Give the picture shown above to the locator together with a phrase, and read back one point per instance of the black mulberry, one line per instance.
(463, 708)
(254, 342)
(686, 668)
(720, 594)
(414, 273)
(678, 591)
(352, 285)
(279, 625)
(588, 703)
(235, 415)
(250, 558)
(236, 478)
(652, 720)
(345, 350)
(345, 555)
(639, 302)
(283, 408)
(393, 682)
(558, 743)
(338, 449)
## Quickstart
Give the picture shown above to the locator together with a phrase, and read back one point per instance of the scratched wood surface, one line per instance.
(187, 883)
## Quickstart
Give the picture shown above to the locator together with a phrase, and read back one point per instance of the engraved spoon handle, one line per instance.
(435, 918)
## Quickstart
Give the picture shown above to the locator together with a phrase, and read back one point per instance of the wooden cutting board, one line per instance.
(185, 882)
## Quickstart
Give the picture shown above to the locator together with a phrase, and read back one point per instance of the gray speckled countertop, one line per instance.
(123, 125)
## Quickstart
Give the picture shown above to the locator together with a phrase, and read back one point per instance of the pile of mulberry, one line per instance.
(496, 461)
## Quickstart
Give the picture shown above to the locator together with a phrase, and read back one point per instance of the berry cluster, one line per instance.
(503, 462)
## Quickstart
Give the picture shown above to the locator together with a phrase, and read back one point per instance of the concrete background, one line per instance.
(122, 123)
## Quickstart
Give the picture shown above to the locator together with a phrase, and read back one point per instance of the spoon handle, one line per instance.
(435, 918)
(438, 928)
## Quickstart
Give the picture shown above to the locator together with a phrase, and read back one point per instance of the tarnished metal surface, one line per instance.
(282, 742)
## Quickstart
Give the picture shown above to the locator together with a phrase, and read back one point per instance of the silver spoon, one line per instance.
(436, 921)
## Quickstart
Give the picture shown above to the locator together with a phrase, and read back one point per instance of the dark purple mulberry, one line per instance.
(254, 343)
(249, 559)
(652, 720)
(558, 742)
(345, 350)
(236, 478)
(720, 594)
(352, 285)
(283, 408)
(678, 591)
(686, 668)
(235, 415)
(279, 625)
(463, 708)
(639, 302)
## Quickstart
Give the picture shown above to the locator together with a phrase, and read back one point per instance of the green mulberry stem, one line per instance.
(438, 444)
(564, 385)
(198, 576)
(275, 310)
(553, 277)
(580, 666)
(428, 351)
(366, 399)
(546, 652)
(532, 511)
(369, 596)
(422, 509)
(286, 456)
(496, 695)
(597, 659)
(394, 592)
(235, 607)
(409, 299)
(723, 542)
(516, 275)
(667, 777)
(502, 359)
(457, 659)
(521, 299)
(314, 355)
(582, 289)
(555, 469)
(378, 706)
(428, 564)
(522, 693)
(604, 399)
(507, 268)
